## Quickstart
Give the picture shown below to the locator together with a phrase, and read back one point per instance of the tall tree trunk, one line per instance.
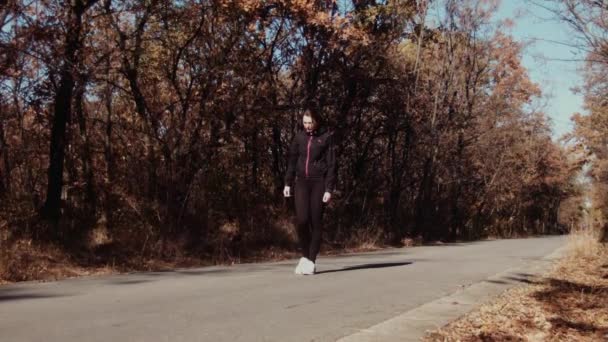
(109, 156)
(131, 70)
(90, 198)
(424, 202)
(255, 160)
(62, 111)
(456, 190)
(277, 158)
(398, 168)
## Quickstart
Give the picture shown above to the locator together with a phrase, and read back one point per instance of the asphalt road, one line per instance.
(257, 302)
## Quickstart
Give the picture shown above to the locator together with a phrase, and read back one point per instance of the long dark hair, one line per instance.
(316, 117)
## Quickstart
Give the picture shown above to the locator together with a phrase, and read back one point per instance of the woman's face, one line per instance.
(309, 123)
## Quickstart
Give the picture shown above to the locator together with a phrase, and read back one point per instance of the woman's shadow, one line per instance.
(367, 266)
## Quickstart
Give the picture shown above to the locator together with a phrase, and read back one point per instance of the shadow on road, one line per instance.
(129, 282)
(525, 278)
(7, 295)
(367, 266)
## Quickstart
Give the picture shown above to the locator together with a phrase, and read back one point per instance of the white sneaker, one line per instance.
(308, 268)
(300, 266)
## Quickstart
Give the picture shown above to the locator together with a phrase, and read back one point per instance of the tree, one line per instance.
(168, 122)
(68, 55)
(586, 18)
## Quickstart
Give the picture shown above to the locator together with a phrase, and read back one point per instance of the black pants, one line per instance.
(309, 211)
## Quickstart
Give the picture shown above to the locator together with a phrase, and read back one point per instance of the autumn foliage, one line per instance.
(587, 21)
(168, 121)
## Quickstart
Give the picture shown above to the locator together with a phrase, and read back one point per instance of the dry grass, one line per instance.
(24, 260)
(364, 240)
(130, 249)
(570, 303)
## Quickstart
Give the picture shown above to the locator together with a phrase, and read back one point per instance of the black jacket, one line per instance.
(312, 156)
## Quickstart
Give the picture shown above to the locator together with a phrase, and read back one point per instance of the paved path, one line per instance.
(350, 297)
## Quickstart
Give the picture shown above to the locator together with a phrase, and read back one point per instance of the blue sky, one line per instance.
(556, 78)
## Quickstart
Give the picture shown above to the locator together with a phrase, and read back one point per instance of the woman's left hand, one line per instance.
(326, 197)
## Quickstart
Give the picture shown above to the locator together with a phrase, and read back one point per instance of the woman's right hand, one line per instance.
(287, 191)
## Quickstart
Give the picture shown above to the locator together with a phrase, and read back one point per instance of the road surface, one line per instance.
(257, 302)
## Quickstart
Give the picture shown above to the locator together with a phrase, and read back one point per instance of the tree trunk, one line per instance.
(277, 159)
(61, 114)
(604, 234)
(5, 180)
(109, 205)
(456, 215)
(424, 202)
(90, 198)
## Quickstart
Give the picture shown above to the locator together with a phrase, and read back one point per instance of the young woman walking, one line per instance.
(312, 167)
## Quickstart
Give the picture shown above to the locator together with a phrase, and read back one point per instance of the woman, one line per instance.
(312, 165)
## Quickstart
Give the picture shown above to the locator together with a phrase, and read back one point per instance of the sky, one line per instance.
(556, 78)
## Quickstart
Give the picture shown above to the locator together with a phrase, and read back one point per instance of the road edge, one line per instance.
(414, 324)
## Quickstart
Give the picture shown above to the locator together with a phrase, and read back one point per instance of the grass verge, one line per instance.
(569, 303)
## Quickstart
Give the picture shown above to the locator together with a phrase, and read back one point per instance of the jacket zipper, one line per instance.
(308, 155)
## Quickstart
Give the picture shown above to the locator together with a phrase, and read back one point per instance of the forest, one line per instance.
(159, 129)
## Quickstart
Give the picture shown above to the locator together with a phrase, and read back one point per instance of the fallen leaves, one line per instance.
(568, 304)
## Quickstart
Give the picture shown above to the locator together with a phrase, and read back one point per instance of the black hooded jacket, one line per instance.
(312, 155)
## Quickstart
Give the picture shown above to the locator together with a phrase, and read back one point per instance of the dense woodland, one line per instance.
(162, 127)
